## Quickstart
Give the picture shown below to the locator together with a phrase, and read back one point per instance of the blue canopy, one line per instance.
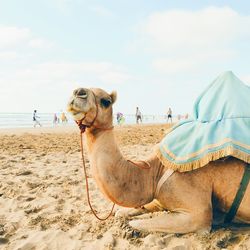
(220, 127)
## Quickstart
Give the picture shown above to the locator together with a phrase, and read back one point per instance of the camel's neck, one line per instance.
(121, 181)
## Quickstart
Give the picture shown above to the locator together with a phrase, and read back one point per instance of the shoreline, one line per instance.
(68, 128)
(38, 130)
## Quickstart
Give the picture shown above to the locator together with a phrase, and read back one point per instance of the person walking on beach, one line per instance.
(169, 113)
(55, 120)
(120, 118)
(35, 120)
(64, 118)
(138, 115)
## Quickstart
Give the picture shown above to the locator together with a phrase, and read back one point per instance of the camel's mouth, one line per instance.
(78, 105)
(77, 115)
(75, 111)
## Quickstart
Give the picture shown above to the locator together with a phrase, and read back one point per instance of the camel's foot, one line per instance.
(129, 212)
(172, 223)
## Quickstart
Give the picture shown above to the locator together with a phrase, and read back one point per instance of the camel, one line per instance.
(188, 197)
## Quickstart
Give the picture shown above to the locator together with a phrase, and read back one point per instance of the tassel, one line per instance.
(211, 156)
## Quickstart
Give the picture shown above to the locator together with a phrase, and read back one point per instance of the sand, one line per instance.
(43, 201)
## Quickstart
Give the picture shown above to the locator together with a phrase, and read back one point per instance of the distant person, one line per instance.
(35, 119)
(138, 115)
(120, 118)
(179, 117)
(186, 116)
(55, 119)
(169, 113)
(64, 118)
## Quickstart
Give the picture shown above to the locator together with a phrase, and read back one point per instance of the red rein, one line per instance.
(82, 128)
(87, 184)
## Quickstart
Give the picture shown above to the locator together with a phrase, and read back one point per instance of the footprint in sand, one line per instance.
(33, 185)
(3, 240)
(24, 172)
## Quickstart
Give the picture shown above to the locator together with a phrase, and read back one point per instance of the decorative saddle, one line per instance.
(220, 127)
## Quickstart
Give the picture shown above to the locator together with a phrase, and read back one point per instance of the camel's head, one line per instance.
(93, 107)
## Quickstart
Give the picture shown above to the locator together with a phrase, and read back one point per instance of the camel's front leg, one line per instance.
(153, 206)
(129, 212)
(175, 222)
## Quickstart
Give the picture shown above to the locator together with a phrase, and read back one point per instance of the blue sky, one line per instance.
(156, 54)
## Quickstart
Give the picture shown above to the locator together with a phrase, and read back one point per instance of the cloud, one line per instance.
(63, 6)
(8, 55)
(28, 82)
(101, 11)
(172, 65)
(182, 29)
(40, 84)
(115, 77)
(105, 72)
(186, 39)
(13, 37)
(40, 43)
(192, 62)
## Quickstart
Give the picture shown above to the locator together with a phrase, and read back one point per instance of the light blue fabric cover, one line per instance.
(221, 119)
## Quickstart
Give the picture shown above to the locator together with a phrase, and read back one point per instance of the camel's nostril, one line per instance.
(81, 92)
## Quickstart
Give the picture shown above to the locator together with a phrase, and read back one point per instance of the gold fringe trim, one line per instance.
(212, 156)
(204, 149)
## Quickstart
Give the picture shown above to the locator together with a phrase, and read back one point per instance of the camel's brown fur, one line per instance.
(189, 197)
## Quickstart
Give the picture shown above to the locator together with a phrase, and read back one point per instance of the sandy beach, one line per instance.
(43, 202)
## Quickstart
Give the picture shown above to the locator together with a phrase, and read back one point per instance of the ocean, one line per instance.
(24, 120)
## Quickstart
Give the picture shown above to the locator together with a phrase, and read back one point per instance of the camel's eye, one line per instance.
(105, 102)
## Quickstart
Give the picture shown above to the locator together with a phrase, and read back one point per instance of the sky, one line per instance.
(155, 54)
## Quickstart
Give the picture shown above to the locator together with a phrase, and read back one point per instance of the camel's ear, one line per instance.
(113, 96)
